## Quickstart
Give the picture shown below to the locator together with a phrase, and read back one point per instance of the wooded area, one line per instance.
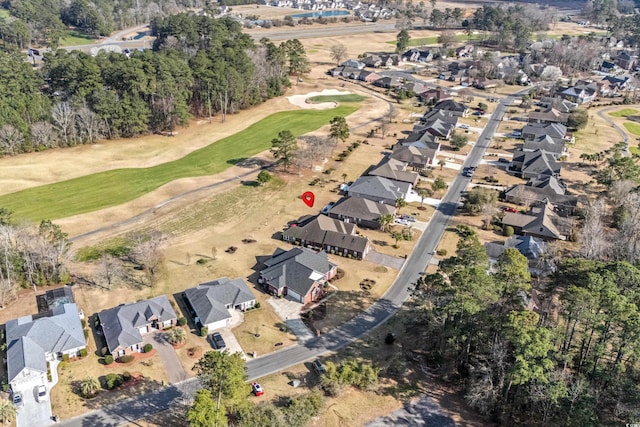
(199, 66)
(573, 361)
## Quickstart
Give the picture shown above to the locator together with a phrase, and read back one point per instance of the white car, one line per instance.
(42, 393)
(463, 126)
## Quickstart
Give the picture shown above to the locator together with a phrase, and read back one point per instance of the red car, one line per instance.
(257, 389)
(510, 209)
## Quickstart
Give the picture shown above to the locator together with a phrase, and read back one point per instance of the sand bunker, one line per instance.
(301, 100)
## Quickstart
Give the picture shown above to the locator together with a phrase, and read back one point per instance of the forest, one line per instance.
(565, 355)
(199, 66)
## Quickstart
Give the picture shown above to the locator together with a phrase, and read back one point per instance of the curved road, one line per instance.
(362, 324)
(603, 114)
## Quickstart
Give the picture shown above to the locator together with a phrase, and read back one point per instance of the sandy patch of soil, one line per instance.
(301, 100)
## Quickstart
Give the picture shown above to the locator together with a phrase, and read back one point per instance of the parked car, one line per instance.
(463, 126)
(503, 160)
(257, 389)
(17, 400)
(42, 393)
(402, 221)
(218, 341)
(509, 209)
(318, 367)
(409, 218)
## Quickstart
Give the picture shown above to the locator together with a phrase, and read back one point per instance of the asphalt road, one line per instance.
(372, 318)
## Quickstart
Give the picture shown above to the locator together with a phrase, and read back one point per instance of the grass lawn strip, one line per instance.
(110, 188)
(319, 99)
(634, 128)
(423, 41)
(75, 38)
(625, 112)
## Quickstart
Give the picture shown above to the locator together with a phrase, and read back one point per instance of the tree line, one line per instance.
(44, 22)
(199, 66)
(566, 356)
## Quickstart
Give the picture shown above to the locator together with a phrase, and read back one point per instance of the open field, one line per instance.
(75, 38)
(625, 112)
(426, 41)
(634, 128)
(335, 98)
(105, 189)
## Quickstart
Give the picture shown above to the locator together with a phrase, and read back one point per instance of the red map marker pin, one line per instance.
(308, 197)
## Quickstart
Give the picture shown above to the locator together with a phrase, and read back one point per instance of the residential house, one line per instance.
(439, 128)
(123, 326)
(414, 86)
(625, 61)
(546, 189)
(375, 61)
(352, 63)
(415, 157)
(388, 82)
(485, 83)
(464, 51)
(33, 342)
(433, 96)
(299, 273)
(534, 131)
(328, 234)
(541, 222)
(557, 103)
(379, 189)
(360, 211)
(550, 115)
(580, 94)
(418, 55)
(438, 114)
(211, 303)
(545, 143)
(420, 138)
(616, 84)
(368, 76)
(396, 170)
(534, 164)
(531, 247)
(455, 108)
(607, 67)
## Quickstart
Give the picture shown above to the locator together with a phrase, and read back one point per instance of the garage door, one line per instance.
(294, 295)
(217, 325)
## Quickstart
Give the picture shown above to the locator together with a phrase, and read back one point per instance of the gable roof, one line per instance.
(323, 230)
(413, 155)
(537, 162)
(541, 222)
(59, 332)
(439, 127)
(450, 105)
(358, 207)
(209, 300)
(377, 186)
(549, 115)
(546, 143)
(394, 169)
(554, 130)
(121, 324)
(297, 269)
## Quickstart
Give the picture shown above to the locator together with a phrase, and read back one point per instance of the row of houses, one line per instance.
(538, 159)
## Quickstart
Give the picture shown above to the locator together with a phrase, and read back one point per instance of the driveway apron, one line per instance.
(168, 355)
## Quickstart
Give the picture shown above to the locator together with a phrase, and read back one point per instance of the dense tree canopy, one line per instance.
(199, 66)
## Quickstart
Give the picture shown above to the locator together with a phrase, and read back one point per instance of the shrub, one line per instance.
(390, 338)
(83, 322)
(441, 252)
(127, 358)
(508, 231)
(204, 331)
(86, 333)
(257, 305)
(126, 375)
(65, 357)
(147, 348)
(108, 359)
(339, 274)
(182, 321)
(83, 352)
(113, 380)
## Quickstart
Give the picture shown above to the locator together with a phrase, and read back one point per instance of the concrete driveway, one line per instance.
(231, 342)
(168, 355)
(385, 260)
(33, 413)
(289, 311)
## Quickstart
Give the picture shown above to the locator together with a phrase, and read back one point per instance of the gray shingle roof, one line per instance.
(554, 130)
(209, 300)
(323, 230)
(394, 169)
(120, 324)
(294, 269)
(413, 155)
(59, 332)
(374, 187)
(357, 207)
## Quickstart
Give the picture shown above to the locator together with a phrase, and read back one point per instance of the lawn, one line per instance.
(336, 98)
(434, 40)
(634, 128)
(75, 38)
(625, 112)
(4, 13)
(635, 151)
(110, 188)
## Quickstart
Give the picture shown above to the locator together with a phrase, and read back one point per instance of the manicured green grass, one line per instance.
(75, 38)
(424, 41)
(336, 98)
(635, 151)
(626, 112)
(4, 13)
(110, 188)
(634, 128)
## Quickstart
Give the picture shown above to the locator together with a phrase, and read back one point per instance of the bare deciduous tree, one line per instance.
(64, 119)
(147, 252)
(11, 140)
(338, 53)
(594, 244)
(109, 271)
(90, 127)
(43, 136)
